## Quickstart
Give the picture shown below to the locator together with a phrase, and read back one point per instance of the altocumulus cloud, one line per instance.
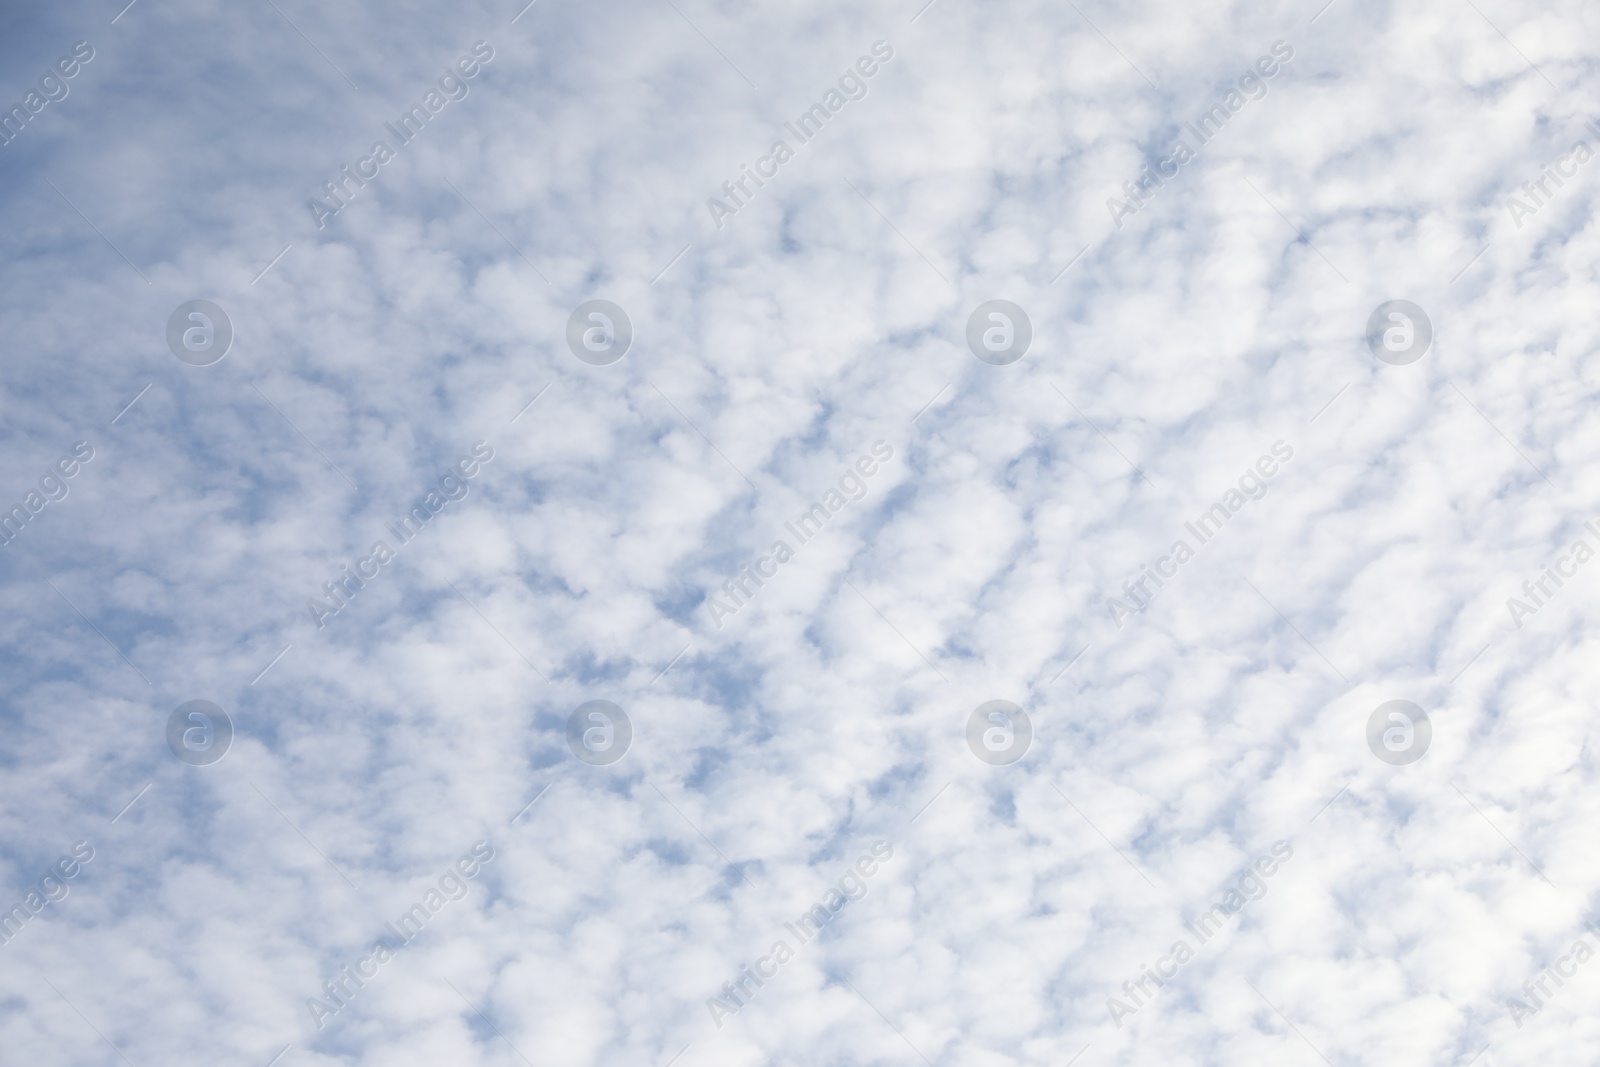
(970, 165)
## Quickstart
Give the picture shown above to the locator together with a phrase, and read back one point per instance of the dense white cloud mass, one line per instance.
(1220, 511)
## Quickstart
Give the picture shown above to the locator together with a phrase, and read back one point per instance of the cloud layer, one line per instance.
(403, 528)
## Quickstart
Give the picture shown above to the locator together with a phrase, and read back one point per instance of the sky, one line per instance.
(861, 534)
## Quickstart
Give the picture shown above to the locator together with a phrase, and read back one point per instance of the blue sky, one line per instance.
(1169, 354)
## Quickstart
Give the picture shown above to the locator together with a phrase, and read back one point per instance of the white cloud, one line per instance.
(830, 713)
